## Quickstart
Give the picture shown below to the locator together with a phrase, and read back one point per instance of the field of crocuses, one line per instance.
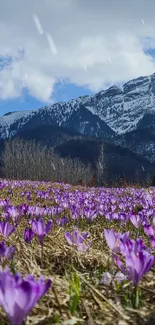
(75, 255)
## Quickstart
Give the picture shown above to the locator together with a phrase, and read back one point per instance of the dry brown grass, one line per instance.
(98, 304)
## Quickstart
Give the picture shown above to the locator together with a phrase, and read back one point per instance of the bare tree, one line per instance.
(100, 167)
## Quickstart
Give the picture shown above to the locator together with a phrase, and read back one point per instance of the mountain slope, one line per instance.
(120, 109)
(124, 116)
(79, 120)
(142, 140)
(48, 135)
(119, 163)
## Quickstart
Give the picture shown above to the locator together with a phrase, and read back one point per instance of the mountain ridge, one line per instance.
(116, 114)
(113, 96)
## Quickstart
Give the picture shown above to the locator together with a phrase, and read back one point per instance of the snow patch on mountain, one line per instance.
(13, 118)
(122, 109)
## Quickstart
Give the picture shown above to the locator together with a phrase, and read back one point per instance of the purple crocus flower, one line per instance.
(9, 252)
(112, 239)
(6, 252)
(6, 229)
(152, 241)
(106, 279)
(120, 265)
(10, 191)
(18, 296)
(124, 237)
(135, 246)
(2, 248)
(148, 199)
(77, 239)
(149, 230)
(62, 221)
(136, 265)
(28, 235)
(15, 213)
(5, 216)
(137, 220)
(120, 277)
(40, 228)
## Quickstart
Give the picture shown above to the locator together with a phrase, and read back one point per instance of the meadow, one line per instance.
(76, 255)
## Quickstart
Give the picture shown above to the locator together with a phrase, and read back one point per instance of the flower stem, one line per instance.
(13, 266)
(42, 255)
(137, 233)
(136, 298)
(112, 263)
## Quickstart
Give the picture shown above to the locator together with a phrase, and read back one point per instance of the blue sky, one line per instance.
(63, 92)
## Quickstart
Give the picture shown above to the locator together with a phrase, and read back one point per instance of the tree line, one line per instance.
(29, 160)
(33, 161)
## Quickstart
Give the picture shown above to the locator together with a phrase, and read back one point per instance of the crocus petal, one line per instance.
(49, 226)
(68, 237)
(120, 264)
(28, 235)
(120, 277)
(40, 227)
(106, 279)
(18, 296)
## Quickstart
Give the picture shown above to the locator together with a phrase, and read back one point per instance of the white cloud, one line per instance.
(90, 43)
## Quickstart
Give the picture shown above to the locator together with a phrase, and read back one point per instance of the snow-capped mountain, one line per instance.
(111, 114)
(72, 115)
(142, 140)
(11, 122)
(122, 109)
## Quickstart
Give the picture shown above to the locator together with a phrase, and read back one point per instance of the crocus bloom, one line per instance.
(113, 239)
(149, 230)
(120, 265)
(28, 235)
(40, 228)
(18, 296)
(106, 279)
(77, 239)
(6, 229)
(152, 241)
(62, 221)
(137, 220)
(124, 237)
(148, 199)
(136, 265)
(5, 216)
(132, 246)
(15, 213)
(120, 277)
(2, 248)
(6, 252)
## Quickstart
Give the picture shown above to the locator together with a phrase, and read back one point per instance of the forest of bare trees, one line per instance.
(29, 160)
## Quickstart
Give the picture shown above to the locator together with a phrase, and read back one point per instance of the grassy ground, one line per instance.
(76, 296)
